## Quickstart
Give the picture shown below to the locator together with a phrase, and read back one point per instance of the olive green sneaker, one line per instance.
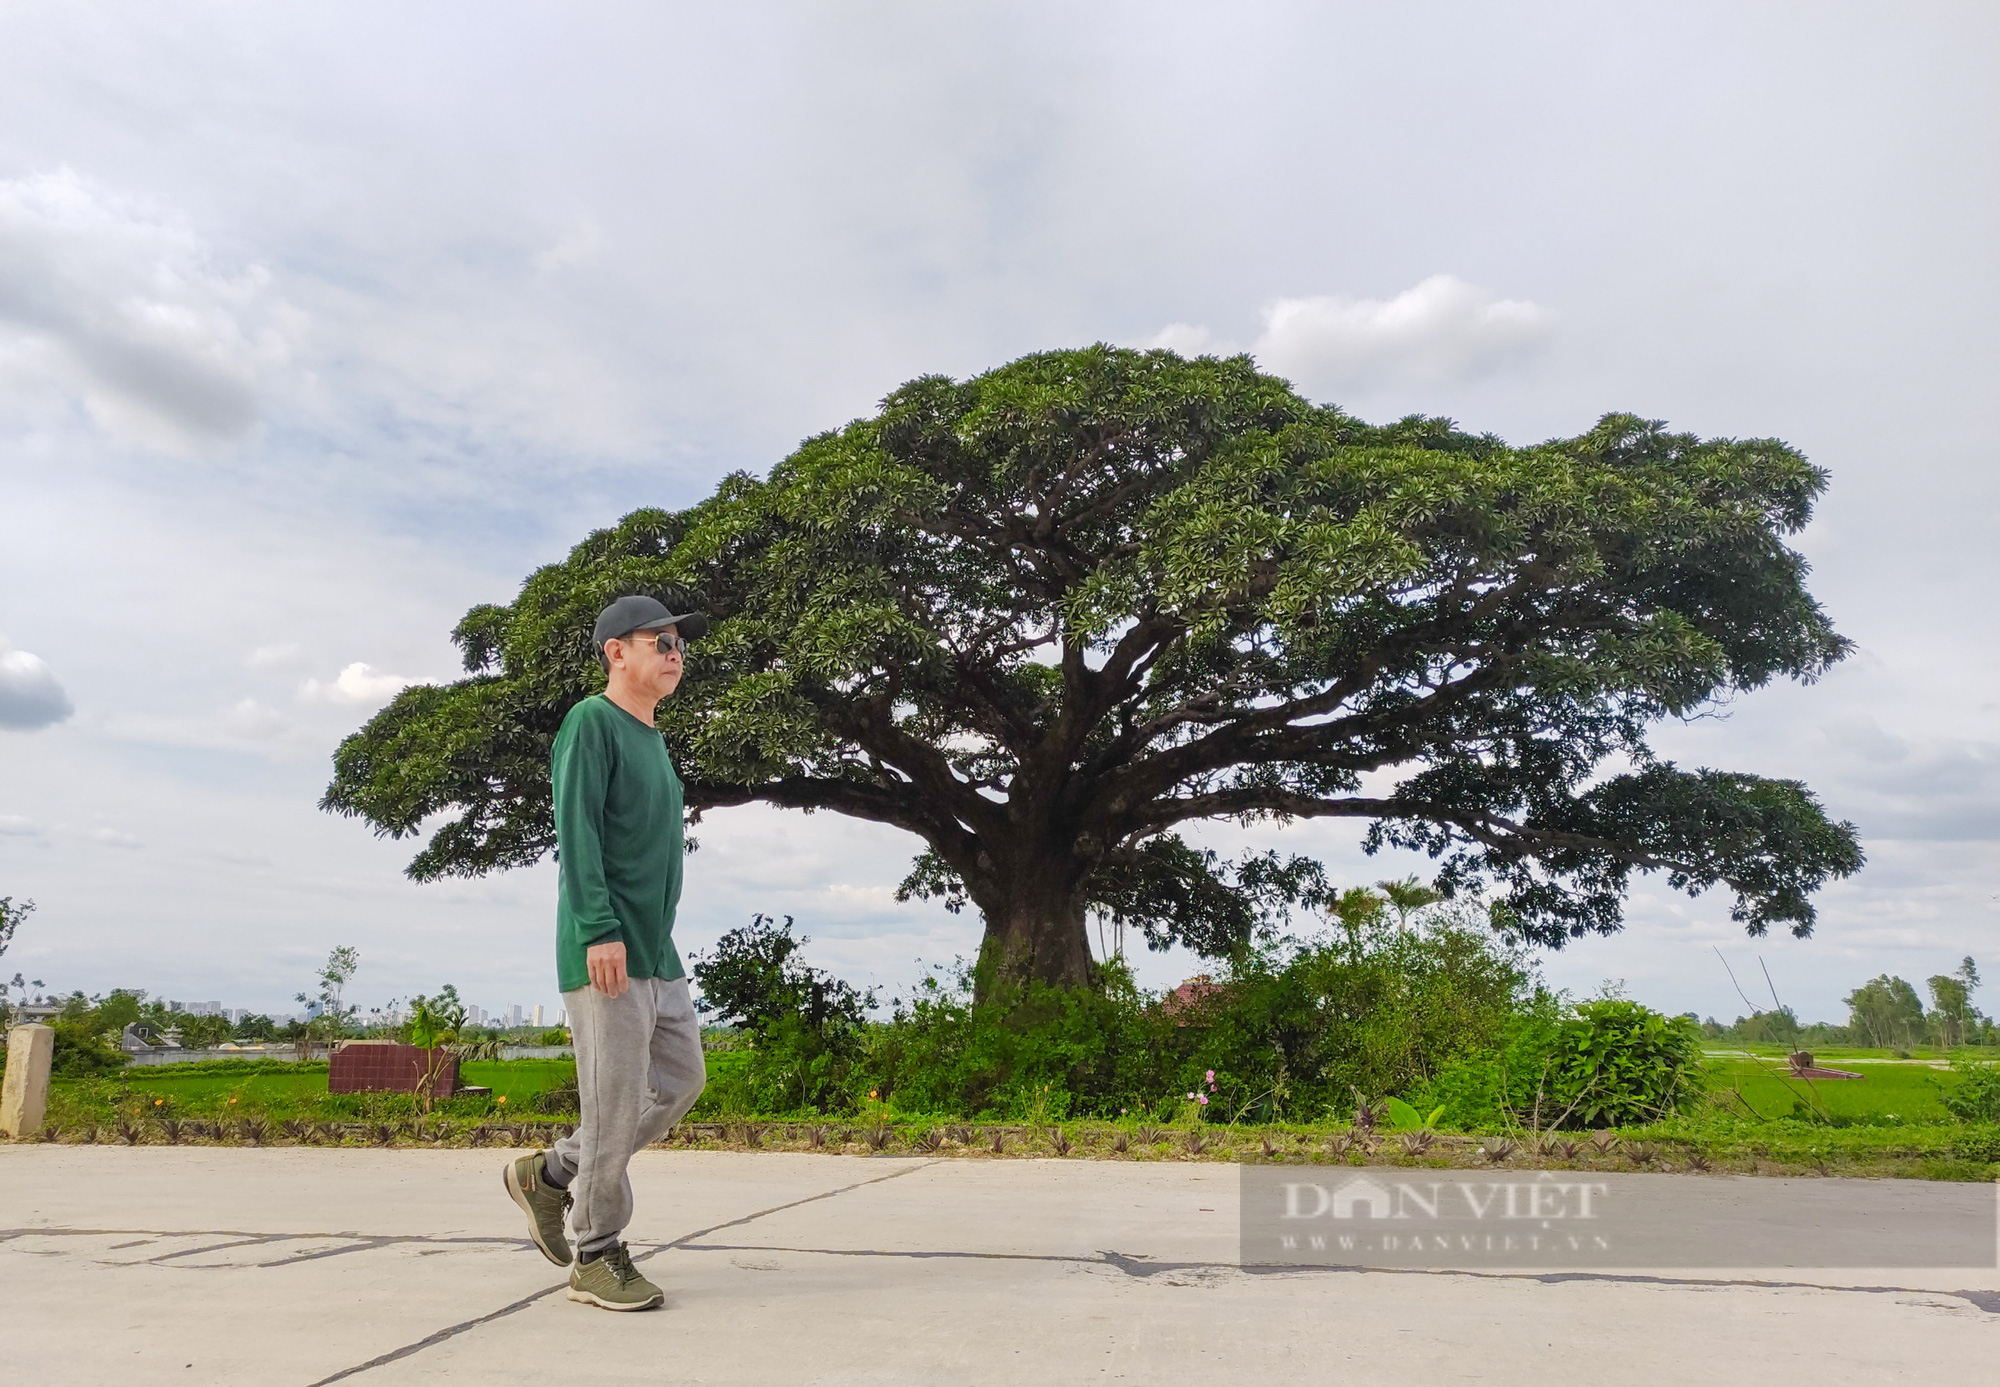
(528, 1185)
(611, 1281)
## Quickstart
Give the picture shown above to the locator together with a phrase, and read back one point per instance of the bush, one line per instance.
(1976, 1097)
(805, 1026)
(80, 1051)
(1292, 1032)
(1035, 1052)
(1605, 1063)
(1301, 1037)
(1617, 1063)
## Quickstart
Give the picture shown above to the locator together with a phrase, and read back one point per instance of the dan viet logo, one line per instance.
(1366, 1215)
(1540, 1199)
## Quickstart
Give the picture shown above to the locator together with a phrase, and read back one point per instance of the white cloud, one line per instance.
(123, 307)
(112, 838)
(358, 685)
(30, 697)
(273, 656)
(1441, 329)
(259, 722)
(16, 826)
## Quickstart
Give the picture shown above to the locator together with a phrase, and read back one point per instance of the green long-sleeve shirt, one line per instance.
(618, 842)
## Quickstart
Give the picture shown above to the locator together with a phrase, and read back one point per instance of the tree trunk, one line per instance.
(1034, 929)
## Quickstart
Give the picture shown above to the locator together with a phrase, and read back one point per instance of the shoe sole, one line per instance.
(520, 1197)
(586, 1298)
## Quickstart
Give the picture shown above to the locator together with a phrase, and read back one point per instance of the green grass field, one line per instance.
(1887, 1093)
(281, 1091)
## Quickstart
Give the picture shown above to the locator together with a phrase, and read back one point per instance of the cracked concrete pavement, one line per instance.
(309, 1266)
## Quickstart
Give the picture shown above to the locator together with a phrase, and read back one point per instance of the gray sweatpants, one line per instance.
(638, 1070)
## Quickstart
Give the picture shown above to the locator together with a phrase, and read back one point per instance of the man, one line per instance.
(638, 1045)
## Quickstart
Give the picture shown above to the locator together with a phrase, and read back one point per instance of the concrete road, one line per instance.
(304, 1266)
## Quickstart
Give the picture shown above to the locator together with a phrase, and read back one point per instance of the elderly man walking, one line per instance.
(638, 1045)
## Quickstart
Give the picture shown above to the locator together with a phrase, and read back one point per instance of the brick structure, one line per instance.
(1189, 997)
(364, 1067)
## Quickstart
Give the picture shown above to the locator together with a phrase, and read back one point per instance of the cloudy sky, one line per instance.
(321, 323)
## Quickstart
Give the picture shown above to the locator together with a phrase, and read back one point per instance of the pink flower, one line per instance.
(1211, 1076)
(1204, 1100)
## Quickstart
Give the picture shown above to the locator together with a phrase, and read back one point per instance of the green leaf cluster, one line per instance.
(1044, 618)
(1602, 1063)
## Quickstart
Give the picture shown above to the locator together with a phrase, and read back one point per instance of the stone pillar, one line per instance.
(24, 1098)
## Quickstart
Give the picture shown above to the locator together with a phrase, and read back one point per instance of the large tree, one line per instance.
(1044, 618)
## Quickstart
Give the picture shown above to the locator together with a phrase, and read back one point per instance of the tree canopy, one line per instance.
(1047, 617)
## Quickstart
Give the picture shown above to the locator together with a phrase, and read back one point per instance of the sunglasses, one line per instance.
(665, 642)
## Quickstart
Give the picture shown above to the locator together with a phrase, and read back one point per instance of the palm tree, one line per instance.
(1407, 895)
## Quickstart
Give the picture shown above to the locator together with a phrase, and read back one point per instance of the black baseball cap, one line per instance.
(636, 613)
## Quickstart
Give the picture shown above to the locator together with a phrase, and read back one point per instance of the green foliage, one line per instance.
(1603, 1063)
(805, 1025)
(333, 1016)
(1779, 1026)
(1040, 1050)
(436, 1020)
(117, 1009)
(1401, 1117)
(1886, 1011)
(203, 1032)
(1407, 895)
(1953, 1018)
(1107, 593)
(1976, 1097)
(1300, 1034)
(12, 916)
(1294, 1031)
(1617, 1063)
(80, 1050)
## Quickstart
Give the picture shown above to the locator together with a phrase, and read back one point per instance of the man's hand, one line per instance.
(606, 963)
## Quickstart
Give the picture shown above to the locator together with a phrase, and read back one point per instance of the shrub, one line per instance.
(1617, 1063)
(80, 1051)
(1299, 1035)
(1034, 1052)
(1490, 1081)
(805, 1026)
(1292, 1031)
(1976, 1096)
(1605, 1063)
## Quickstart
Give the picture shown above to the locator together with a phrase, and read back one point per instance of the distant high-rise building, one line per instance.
(515, 1012)
(538, 1013)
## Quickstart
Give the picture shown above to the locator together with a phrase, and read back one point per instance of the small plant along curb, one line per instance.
(1977, 1158)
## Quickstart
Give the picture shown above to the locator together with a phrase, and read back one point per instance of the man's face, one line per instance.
(646, 661)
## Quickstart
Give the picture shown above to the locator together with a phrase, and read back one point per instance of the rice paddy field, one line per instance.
(1889, 1091)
